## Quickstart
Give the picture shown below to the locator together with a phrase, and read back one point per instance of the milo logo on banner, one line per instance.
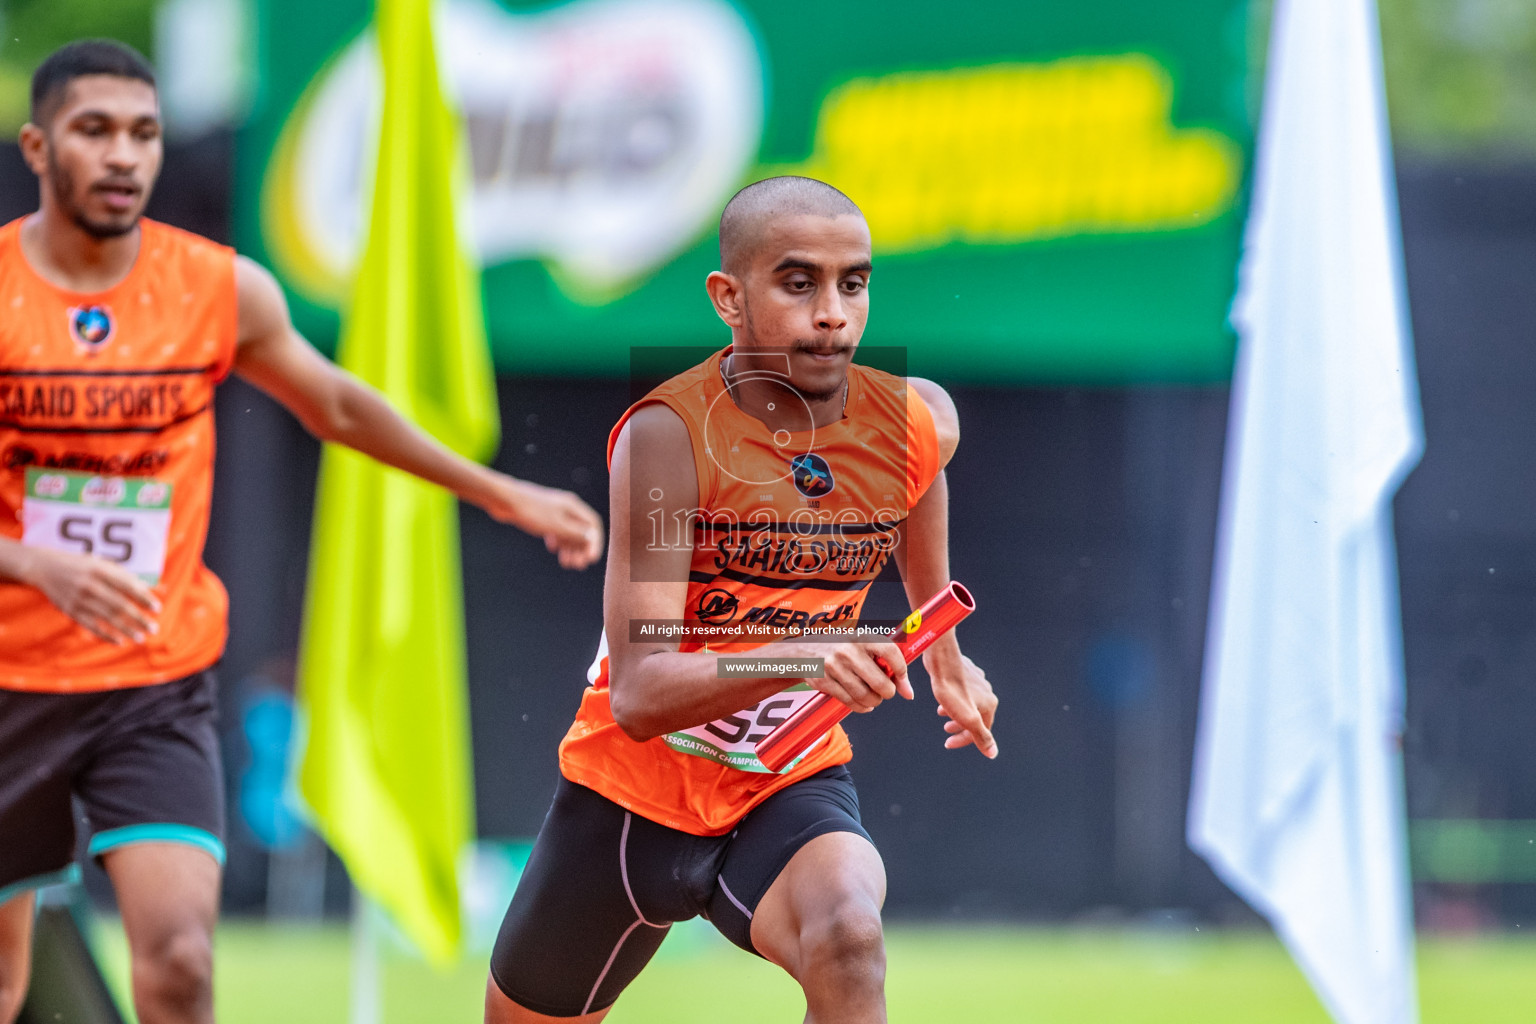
(604, 136)
(1054, 191)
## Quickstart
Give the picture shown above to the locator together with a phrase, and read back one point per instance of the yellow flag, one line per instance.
(386, 764)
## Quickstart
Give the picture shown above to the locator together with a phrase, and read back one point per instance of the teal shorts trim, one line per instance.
(141, 756)
(166, 832)
(63, 876)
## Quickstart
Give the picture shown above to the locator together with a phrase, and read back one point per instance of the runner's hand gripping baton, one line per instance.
(937, 616)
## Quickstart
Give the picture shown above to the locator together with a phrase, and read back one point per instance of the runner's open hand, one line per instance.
(568, 525)
(965, 698)
(103, 597)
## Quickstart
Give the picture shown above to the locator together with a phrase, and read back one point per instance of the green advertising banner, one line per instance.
(1055, 190)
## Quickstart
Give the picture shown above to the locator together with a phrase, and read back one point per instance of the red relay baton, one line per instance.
(937, 616)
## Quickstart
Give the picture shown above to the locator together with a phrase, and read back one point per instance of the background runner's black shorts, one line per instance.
(603, 885)
(143, 761)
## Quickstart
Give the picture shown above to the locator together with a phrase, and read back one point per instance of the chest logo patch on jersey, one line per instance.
(717, 606)
(91, 326)
(813, 477)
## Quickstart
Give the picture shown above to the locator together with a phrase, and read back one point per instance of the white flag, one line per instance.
(1297, 799)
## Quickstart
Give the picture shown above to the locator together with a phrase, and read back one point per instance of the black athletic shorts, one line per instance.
(603, 885)
(142, 761)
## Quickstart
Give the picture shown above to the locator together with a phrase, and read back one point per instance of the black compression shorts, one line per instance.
(143, 762)
(603, 885)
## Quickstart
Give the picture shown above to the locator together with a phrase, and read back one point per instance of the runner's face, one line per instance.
(806, 290)
(103, 153)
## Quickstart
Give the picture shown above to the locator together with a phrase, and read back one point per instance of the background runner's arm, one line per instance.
(655, 689)
(964, 696)
(104, 598)
(336, 406)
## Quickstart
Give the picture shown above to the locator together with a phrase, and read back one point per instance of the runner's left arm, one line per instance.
(335, 406)
(961, 688)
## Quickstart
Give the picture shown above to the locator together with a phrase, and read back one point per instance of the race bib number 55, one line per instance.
(121, 519)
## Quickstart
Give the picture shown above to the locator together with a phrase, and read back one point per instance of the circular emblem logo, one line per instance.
(813, 477)
(104, 490)
(153, 494)
(50, 485)
(91, 326)
(716, 605)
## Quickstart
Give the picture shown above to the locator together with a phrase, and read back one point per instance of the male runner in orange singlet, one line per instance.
(114, 331)
(791, 474)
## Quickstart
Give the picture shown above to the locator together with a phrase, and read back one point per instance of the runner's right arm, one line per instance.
(654, 688)
(103, 597)
(335, 406)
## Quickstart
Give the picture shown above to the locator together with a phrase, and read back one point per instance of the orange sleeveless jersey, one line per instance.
(106, 445)
(794, 528)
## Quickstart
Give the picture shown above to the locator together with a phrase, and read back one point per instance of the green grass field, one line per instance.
(937, 975)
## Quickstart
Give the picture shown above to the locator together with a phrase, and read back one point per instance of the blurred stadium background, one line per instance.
(1075, 306)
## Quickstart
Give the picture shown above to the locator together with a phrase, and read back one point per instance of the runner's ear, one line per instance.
(725, 291)
(34, 148)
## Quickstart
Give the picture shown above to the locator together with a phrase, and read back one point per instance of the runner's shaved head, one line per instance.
(742, 220)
